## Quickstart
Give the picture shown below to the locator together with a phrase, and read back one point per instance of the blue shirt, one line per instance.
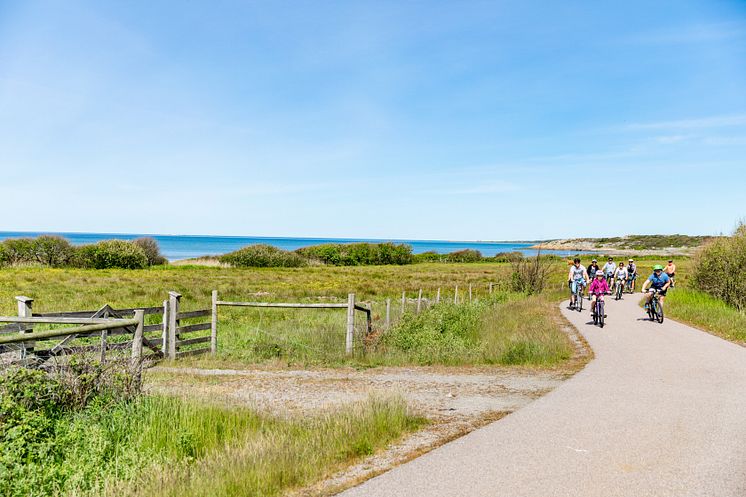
(659, 281)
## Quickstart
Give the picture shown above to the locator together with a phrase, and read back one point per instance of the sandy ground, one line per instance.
(455, 400)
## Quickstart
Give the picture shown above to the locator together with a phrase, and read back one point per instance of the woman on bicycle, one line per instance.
(631, 274)
(659, 281)
(621, 275)
(671, 271)
(598, 288)
(609, 271)
(577, 276)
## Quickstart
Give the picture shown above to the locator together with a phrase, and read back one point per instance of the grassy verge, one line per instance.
(157, 445)
(703, 311)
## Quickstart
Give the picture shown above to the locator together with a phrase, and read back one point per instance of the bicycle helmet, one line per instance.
(594, 260)
(631, 260)
(657, 267)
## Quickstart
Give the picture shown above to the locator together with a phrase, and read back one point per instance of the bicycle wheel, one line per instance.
(601, 314)
(579, 304)
(595, 317)
(659, 311)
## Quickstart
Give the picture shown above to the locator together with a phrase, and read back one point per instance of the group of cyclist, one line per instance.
(600, 281)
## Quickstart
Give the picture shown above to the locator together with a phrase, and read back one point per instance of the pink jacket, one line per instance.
(598, 286)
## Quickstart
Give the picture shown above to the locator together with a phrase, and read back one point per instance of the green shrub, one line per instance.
(531, 275)
(152, 251)
(508, 257)
(262, 255)
(53, 251)
(19, 251)
(466, 255)
(430, 256)
(108, 254)
(719, 268)
(359, 254)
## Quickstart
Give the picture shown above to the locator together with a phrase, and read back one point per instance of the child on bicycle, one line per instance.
(598, 289)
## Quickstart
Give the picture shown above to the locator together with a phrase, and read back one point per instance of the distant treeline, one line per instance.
(55, 251)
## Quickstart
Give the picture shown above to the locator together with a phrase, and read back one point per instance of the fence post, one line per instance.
(25, 305)
(419, 301)
(102, 354)
(403, 302)
(388, 313)
(350, 323)
(455, 295)
(164, 340)
(214, 324)
(173, 323)
(470, 293)
(437, 297)
(137, 339)
(369, 321)
(490, 288)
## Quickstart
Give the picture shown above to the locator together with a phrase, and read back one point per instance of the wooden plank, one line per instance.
(43, 320)
(193, 327)
(214, 323)
(192, 341)
(284, 305)
(42, 335)
(350, 323)
(192, 352)
(193, 314)
(153, 327)
(65, 314)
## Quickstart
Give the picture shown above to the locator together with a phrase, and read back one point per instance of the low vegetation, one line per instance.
(118, 442)
(359, 254)
(261, 255)
(720, 269)
(56, 252)
(704, 311)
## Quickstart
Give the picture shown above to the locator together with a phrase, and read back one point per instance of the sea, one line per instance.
(177, 247)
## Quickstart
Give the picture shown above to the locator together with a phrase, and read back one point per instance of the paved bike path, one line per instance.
(660, 411)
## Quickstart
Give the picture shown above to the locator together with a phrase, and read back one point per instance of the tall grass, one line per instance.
(707, 312)
(720, 268)
(276, 455)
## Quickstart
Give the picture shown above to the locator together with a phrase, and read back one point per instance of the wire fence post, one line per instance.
(470, 293)
(214, 324)
(137, 339)
(388, 313)
(455, 295)
(437, 297)
(419, 301)
(164, 334)
(350, 323)
(490, 288)
(403, 302)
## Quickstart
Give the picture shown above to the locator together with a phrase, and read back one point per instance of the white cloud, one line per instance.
(696, 123)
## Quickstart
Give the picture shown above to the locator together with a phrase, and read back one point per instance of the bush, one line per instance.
(359, 254)
(262, 255)
(108, 254)
(466, 255)
(152, 251)
(509, 257)
(53, 251)
(19, 251)
(430, 256)
(530, 275)
(719, 268)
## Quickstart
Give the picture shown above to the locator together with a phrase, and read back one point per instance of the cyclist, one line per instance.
(621, 274)
(592, 269)
(578, 276)
(671, 271)
(609, 271)
(631, 273)
(659, 281)
(598, 288)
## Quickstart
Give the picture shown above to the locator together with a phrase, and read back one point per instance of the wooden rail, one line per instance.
(350, 306)
(80, 330)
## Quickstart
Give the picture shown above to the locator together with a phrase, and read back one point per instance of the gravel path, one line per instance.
(660, 411)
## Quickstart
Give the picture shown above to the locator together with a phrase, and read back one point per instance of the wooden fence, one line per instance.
(350, 306)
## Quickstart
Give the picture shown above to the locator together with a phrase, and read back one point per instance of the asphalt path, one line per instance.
(660, 411)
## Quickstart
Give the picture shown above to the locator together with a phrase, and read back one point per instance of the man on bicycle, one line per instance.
(631, 274)
(671, 271)
(609, 270)
(577, 276)
(598, 289)
(659, 281)
(592, 269)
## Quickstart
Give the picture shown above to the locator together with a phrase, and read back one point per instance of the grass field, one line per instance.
(708, 313)
(504, 331)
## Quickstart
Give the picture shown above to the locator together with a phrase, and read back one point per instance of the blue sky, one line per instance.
(439, 120)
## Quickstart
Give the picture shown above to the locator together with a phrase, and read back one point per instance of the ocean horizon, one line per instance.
(178, 247)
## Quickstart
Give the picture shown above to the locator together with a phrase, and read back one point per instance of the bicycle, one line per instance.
(629, 287)
(618, 289)
(577, 304)
(598, 311)
(655, 307)
(610, 279)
